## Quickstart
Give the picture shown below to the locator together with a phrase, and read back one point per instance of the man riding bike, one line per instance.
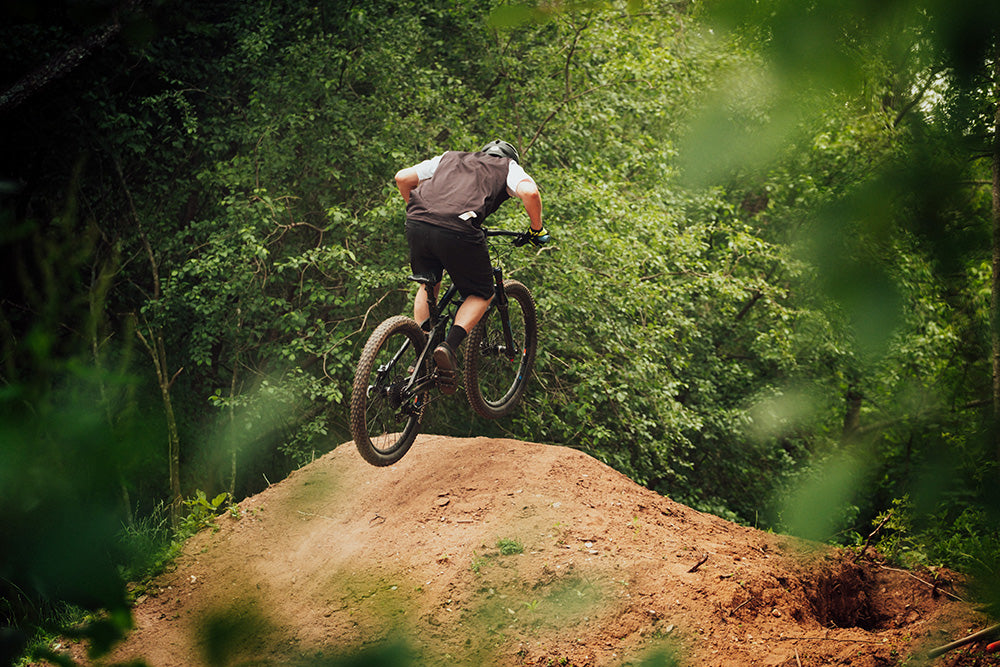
(447, 199)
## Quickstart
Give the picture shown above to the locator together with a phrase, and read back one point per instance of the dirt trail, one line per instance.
(342, 556)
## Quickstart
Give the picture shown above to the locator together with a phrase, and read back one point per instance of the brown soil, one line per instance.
(342, 556)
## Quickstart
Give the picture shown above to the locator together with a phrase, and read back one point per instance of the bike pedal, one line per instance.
(447, 381)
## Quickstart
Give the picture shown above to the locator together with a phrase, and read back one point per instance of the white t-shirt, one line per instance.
(515, 173)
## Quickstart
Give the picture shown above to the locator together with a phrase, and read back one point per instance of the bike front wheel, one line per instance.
(385, 418)
(495, 375)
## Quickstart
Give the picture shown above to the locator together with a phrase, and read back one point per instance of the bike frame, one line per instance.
(440, 320)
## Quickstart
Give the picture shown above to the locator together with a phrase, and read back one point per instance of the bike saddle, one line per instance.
(425, 279)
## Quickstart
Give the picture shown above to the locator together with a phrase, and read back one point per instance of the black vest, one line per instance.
(464, 190)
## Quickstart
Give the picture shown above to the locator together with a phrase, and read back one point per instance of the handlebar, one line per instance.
(519, 238)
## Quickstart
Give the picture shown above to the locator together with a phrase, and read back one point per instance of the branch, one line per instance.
(145, 343)
(935, 587)
(368, 312)
(916, 99)
(757, 293)
(561, 106)
(749, 304)
(154, 267)
(567, 82)
(174, 378)
(982, 634)
(65, 62)
(567, 79)
(702, 561)
(930, 414)
(871, 536)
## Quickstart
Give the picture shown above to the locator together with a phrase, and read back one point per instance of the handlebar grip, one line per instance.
(527, 237)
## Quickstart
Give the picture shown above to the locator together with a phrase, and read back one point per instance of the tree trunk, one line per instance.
(995, 291)
(173, 438)
(232, 428)
(157, 351)
(852, 412)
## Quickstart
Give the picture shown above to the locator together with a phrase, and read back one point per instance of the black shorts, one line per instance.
(463, 255)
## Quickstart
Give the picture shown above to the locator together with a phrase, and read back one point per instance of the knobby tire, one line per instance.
(382, 423)
(495, 380)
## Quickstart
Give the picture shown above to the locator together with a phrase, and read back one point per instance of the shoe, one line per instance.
(447, 364)
(445, 357)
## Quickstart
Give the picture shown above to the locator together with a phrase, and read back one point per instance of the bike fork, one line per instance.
(503, 308)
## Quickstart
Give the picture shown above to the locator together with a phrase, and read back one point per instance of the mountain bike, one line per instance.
(397, 379)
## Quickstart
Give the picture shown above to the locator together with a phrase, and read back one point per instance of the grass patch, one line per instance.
(509, 547)
(505, 547)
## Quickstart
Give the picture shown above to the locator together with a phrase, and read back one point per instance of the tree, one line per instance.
(917, 233)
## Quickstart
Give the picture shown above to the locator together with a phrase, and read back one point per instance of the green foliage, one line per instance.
(509, 546)
(768, 293)
(898, 250)
(202, 512)
(963, 536)
(147, 543)
(62, 514)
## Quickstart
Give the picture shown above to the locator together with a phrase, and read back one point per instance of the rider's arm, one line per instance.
(522, 186)
(409, 178)
(406, 180)
(527, 192)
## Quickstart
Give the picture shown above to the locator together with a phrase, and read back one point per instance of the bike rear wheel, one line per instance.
(384, 420)
(495, 377)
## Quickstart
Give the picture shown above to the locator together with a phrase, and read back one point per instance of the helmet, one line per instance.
(500, 149)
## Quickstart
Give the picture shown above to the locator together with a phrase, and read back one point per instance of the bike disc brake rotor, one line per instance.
(499, 351)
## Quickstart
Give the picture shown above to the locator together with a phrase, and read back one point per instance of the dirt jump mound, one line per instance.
(497, 552)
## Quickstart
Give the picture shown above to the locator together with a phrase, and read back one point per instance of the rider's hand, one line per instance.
(537, 237)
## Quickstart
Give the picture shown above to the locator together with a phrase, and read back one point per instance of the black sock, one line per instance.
(455, 336)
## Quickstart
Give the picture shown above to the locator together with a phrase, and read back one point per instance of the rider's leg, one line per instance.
(421, 311)
(471, 311)
(468, 315)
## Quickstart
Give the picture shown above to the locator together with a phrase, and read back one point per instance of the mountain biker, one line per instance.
(447, 199)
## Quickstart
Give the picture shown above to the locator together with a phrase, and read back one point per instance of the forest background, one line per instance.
(771, 293)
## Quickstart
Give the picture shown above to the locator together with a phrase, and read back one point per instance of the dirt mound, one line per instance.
(480, 551)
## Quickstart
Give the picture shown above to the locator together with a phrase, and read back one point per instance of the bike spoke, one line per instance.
(384, 417)
(496, 379)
